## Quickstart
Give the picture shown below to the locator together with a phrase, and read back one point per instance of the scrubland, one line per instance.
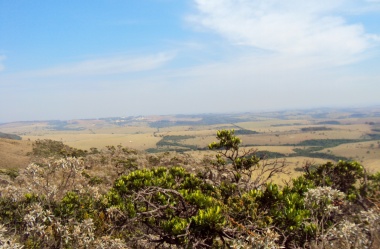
(280, 180)
(228, 197)
(280, 132)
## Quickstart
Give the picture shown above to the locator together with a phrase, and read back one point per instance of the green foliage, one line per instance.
(95, 181)
(326, 143)
(172, 201)
(69, 205)
(228, 147)
(10, 136)
(12, 173)
(209, 220)
(175, 143)
(123, 159)
(233, 204)
(342, 176)
(175, 226)
(315, 145)
(285, 208)
(265, 154)
(79, 206)
(299, 185)
(308, 129)
(245, 132)
(50, 148)
(372, 190)
(227, 141)
(313, 153)
(374, 136)
(12, 211)
(94, 150)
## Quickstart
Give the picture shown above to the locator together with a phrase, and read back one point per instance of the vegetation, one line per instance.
(50, 148)
(312, 152)
(330, 122)
(10, 136)
(175, 141)
(322, 128)
(59, 125)
(245, 132)
(327, 143)
(122, 198)
(265, 154)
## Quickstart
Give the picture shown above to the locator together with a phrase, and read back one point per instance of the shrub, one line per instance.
(62, 203)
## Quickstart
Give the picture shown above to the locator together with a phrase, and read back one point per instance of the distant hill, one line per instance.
(9, 136)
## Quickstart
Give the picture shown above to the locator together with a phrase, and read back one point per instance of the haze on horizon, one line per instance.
(88, 59)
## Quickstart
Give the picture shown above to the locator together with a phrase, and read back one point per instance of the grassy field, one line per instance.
(368, 153)
(87, 141)
(351, 134)
(13, 153)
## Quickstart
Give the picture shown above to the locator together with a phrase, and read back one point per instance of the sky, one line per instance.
(108, 58)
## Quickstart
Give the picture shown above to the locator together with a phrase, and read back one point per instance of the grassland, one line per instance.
(13, 153)
(318, 135)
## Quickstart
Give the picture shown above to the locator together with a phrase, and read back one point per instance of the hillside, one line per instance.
(119, 197)
(9, 136)
(13, 153)
(297, 135)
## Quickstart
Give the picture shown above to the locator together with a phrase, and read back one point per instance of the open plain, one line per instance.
(297, 136)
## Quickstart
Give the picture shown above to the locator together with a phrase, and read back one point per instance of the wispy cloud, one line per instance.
(296, 27)
(105, 66)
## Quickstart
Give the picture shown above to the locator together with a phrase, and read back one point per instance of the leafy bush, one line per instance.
(232, 203)
(50, 148)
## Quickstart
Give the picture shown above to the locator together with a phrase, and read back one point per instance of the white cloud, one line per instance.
(294, 27)
(374, 37)
(105, 66)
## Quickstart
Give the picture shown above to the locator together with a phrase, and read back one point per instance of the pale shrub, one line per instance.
(6, 242)
(322, 201)
(267, 240)
(358, 234)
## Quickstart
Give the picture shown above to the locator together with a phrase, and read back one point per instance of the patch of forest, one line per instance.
(10, 136)
(58, 125)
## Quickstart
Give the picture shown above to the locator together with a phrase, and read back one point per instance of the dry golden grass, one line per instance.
(274, 133)
(86, 141)
(205, 137)
(13, 153)
(124, 130)
(292, 164)
(172, 129)
(201, 142)
(368, 153)
(198, 132)
(272, 125)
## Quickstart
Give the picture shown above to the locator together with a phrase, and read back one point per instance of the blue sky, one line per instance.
(101, 58)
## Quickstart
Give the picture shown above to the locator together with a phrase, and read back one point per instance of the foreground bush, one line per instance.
(230, 203)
